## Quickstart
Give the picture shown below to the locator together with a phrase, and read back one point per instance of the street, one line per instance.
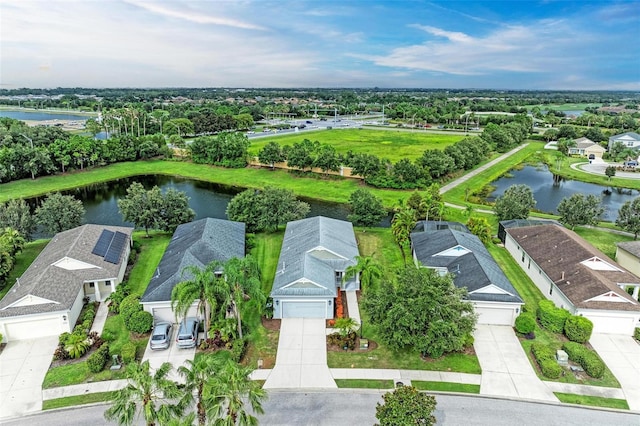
(357, 407)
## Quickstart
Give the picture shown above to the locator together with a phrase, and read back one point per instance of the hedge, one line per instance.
(140, 322)
(128, 352)
(546, 359)
(588, 359)
(98, 359)
(636, 334)
(551, 317)
(525, 323)
(578, 329)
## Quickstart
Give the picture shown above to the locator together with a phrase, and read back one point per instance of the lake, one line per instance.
(100, 200)
(549, 189)
(40, 115)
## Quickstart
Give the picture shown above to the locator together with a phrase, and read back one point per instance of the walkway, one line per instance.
(622, 356)
(301, 360)
(101, 318)
(352, 306)
(480, 169)
(506, 370)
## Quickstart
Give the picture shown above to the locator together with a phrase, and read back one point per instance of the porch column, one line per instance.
(113, 286)
(636, 290)
(96, 289)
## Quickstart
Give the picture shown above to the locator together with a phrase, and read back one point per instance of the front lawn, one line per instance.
(593, 401)
(364, 384)
(72, 401)
(445, 386)
(76, 373)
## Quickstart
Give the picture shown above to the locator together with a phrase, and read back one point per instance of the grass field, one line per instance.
(393, 145)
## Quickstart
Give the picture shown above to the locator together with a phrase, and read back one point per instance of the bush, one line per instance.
(1, 337)
(636, 334)
(588, 359)
(62, 339)
(140, 322)
(89, 314)
(525, 323)
(128, 352)
(60, 352)
(551, 317)
(238, 350)
(546, 359)
(129, 306)
(108, 336)
(122, 291)
(77, 345)
(98, 359)
(578, 329)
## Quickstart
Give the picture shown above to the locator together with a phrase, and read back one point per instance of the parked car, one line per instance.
(161, 336)
(188, 333)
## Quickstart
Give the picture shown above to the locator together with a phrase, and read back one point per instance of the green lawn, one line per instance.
(446, 386)
(593, 401)
(30, 251)
(71, 401)
(151, 251)
(73, 374)
(379, 244)
(393, 145)
(364, 384)
(266, 251)
(602, 240)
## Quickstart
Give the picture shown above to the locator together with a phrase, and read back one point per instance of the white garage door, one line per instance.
(33, 329)
(163, 314)
(612, 325)
(495, 316)
(304, 309)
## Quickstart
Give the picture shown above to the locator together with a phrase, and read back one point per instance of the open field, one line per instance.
(393, 145)
(563, 107)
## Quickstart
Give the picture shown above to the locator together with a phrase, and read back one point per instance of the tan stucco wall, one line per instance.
(628, 261)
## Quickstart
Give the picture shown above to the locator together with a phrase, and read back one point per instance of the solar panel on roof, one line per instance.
(115, 249)
(103, 243)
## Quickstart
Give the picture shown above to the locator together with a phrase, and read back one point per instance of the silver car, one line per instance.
(161, 336)
(188, 333)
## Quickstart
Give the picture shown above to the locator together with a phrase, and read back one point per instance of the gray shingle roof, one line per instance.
(474, 270)
(632, 247)
(45, 280)
(195, 244)
(312, 250)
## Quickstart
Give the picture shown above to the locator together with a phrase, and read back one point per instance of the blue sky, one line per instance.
(286, 43)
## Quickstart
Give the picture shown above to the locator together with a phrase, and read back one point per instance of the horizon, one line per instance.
(401, 45)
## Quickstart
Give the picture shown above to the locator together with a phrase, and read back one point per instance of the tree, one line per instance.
(148, 393)
(437, 162)
(225, 397)
(422, 310)
(141, 207)
(516, 203)
(406, 406)
(629, 217)
(401, 226)
(197, 284)
(368, 271)
(197, 373)
(175, 210)
(266, 209)
(366, 208)
(59, 212)
(270, 154)
(15, 214)
(365, 165)
(481, 228)
(579, 209)
(327, 159)
(550, 135)
(610, 171)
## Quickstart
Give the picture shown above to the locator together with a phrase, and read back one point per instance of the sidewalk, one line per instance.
(101, 318)
(84, 388)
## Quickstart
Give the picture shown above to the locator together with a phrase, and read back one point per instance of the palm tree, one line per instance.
(367, 269)
(242, 286)
(196, 374)
(401, 226)
(147, 393)
(224, 397)
(201, 287)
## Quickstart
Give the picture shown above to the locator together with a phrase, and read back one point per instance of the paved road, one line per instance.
(358, 408)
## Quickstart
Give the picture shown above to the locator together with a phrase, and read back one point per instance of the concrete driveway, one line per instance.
(174, 355)
(301, 361)
(506, 370)
(23, 365)
(622, 356)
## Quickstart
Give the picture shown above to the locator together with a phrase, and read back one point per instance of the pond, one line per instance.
(549, 189)
(40, 115)
(100, 200)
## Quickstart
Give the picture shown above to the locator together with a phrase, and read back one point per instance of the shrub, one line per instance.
(122, 291)
(578, 329)
(525, 323)
(60, 353)
(468, 340)
(95, 339)
(108, 336)
(551, 317)
(545, 357)
(128, 352)
(89, 314)
(77, 345)
(238, 350)
(98, 359)
(1, 337)
(636, 334)
(129, 306)
(140, 322)
(588, 359)
(62, 339)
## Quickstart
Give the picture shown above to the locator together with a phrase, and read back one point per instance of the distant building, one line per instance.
(586, 147)
(629, 140)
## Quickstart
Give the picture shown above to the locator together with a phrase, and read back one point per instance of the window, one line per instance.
(522, 257)
(550, 289)
(529, 264)
(92, 285)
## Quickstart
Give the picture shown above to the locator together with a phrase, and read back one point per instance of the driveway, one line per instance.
(506, 370)
(23, 365)
(301, 361)
(174, 355)
(622, 356)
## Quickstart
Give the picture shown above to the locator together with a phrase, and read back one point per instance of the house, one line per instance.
(516, 223)
(315, 254)
(628, 256)
(196, 244)
(576, 276)
(87, 261)
(450, 248)
(586, 147)
(629, 140)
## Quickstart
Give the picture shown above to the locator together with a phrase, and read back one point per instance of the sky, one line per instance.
(537, 45)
